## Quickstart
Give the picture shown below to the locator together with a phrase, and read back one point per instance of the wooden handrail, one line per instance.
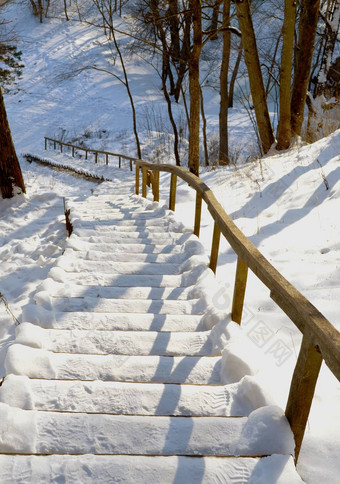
(321, 341)
(90, 150)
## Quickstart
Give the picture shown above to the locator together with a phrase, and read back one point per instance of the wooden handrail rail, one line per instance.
(90, 150)
(321, 340)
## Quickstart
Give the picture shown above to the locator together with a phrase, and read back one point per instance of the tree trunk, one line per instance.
(194, 88)
(284, 128)
(204, 130)
(10, 171)
(224, 92)
(234, 74)
(307, 30)
(332, 22)
(214, 19)
(255, 75)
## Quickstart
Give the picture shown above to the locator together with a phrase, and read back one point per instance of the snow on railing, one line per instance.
(74, 148)
(321, 341)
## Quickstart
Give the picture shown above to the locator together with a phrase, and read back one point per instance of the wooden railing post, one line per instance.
(137, 180)
(73, 151)
(144, 180)
(119, 162)
(61, 147)
(85, 154)
(155, 186)
(198, 211)
(45, 144)
(96, 157)
(54, 146)
(302, 390)
(239, 290)
(172, 196)
(214, 248)
(131, 165)
(107, 159)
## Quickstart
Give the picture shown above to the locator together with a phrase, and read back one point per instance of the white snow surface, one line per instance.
(287, 204)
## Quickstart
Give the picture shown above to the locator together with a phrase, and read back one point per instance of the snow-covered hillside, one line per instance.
(287, 204)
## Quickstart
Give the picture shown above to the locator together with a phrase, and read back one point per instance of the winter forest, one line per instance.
(169, 241)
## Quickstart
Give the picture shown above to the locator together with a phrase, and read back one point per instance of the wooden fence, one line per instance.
(320, 342)
(75, 148)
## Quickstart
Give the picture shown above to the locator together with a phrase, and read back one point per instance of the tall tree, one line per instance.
(307, 29)
(10, 171)
(284, 127)
(194, 87)
(251, 57)
(224, 88)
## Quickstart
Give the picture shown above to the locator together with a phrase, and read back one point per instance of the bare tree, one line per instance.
(10, 171)
(224, 89)
(284, 127)
(254, 73)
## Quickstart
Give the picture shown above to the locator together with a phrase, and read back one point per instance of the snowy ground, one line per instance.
(287, 205)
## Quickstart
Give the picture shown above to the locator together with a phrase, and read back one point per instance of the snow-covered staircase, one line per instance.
(114, 376)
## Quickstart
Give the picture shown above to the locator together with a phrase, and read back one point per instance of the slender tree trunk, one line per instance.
(255, 75)
(307, 30)
(127, 85)
(194, 88)
(224, 93)
(284, 128)
(204, 130)
(65, 10)
(214, 19)
(10, 171)
(234, 75)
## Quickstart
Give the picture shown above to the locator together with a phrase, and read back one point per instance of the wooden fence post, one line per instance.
(73, 151)
(131, 165)
(96, 157)
(54, 145)
(61, 147)
(119, 162)
(239, 290)
(85, 154)
(144, 180)
(302, 390)
(155, 186)
(137, 180)
(107, 159)
(45, 144)
(198, 211)
(172, 196)
(214, 248)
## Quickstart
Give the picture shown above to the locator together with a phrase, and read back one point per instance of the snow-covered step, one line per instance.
(38, 363)
(266, 431)
(123, 398)
(76, 290)
(110, 226)
(70, 264)
(127, 469)
(126, 257)
(115, 342)
(119, 280)
(107, 321)
(146, 248)
(98, 305)
(133, 238)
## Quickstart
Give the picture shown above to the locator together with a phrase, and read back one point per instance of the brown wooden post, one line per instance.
(137, 179)
(107, 159)
(45, 144)
(302, 390)
(214, 248)
(119, 162)
(96, 157)
(131, 165)
(144, 180)
(239, 290)
(73, 151)
(155, 186)
(172, 196)
(54, 145)
(198, 211)
(85, 154)
(61, 147)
